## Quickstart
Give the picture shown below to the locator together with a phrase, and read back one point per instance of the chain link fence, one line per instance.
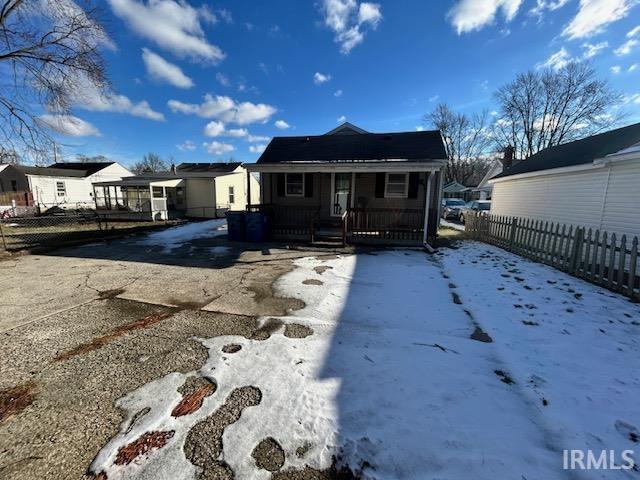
(60, 227)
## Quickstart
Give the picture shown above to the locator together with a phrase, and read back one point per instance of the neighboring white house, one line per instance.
(593, 183)
(65, 185)
(485, 188)
(201, 190)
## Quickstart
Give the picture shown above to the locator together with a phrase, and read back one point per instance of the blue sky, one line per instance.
(206, 81)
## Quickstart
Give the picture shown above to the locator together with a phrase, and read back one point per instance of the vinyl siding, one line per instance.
(605, 198)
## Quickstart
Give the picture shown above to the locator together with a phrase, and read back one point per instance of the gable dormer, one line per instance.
(346, 129)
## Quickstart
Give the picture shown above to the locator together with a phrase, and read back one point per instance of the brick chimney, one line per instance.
(507, 158)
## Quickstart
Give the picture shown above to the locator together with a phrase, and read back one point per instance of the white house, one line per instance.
(592, 183)
(201, 190)
(65, 185)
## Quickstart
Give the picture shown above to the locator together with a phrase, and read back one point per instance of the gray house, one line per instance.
(352, 185)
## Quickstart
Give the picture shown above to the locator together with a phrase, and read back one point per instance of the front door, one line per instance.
(340, 193)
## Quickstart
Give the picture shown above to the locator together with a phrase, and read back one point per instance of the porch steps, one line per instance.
(329, 232)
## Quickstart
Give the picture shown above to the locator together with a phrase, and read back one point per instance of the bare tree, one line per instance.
(82, 158)
(467, 142)
(150, 163)
(49, 53)
(9, 156)
(543, 108)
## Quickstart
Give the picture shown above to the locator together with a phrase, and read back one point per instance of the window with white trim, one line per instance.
(61, 189)
(396, 185)
(232, 195)
(294, 184)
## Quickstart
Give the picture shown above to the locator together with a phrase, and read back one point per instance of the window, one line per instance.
(294, 185)
(232, 196)
(61, 189)
(397, 185)
(158, 192)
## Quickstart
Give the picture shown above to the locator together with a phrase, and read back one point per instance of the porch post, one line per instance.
(353, 189)
(427, 204)
(248, 188)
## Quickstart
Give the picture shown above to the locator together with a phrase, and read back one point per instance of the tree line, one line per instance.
(538, 109)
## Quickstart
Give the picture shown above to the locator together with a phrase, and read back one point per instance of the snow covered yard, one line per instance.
(473, 362)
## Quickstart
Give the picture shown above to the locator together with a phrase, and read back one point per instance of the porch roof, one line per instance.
(361, 166)
(142, 182)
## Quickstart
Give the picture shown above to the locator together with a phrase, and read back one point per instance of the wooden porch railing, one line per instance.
(289, 221)
(385, 224)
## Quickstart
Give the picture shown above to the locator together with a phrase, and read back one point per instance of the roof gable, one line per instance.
(578, 152)
(346, 129)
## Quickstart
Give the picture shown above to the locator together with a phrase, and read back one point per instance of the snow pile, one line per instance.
(456, 226)
(392, 384)
(175, 237)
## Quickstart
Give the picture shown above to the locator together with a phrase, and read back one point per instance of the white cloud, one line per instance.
(634, 32)
(164, 71)
(632, 98)
(217, 129)
(281, 124)
(237, 132)
(616, 69)
(218, 148)
(320, 78)
(88, 97)
(558, 60)
(213, 129)
(187, 146)
(469, 15)
(594, 15)
(419, 128)
(341, 119)
(223, 79)
(225, 109)
(626, 47)
(257, 138)
(172, 25)
(434, 98)
(633, 68)
(225, 15)
(591, 50)
(69, 125)
(348, 19)
(547, 5)
(338, 93)
(259, 148)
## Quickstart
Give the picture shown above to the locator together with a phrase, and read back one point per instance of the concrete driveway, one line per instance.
(81, 327)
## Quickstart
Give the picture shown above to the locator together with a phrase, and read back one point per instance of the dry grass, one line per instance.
(143, 445)
(99, 342)
(15, 399)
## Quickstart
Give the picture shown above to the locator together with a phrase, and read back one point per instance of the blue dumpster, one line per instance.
(257, 228)
(236, 226)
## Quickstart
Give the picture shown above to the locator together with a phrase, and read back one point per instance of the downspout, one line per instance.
(427, 204)
(215, 200)
(604, 197)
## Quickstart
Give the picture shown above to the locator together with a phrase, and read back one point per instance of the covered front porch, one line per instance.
(140, 198)
(353, 204)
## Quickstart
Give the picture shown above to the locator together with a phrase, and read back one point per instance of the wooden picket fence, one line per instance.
(599, 257)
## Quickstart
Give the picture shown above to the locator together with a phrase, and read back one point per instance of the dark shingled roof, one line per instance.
(89, 167)
(208, 167)
(578, 152)
(412, 146)
(52, 172)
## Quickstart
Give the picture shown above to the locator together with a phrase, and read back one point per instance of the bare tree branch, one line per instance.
(49, 54)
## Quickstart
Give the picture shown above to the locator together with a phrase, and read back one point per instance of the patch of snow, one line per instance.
(391, 377)
(455, 226)
(175, 237)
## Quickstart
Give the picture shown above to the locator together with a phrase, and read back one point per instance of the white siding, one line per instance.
(605, 198)
(44, 190)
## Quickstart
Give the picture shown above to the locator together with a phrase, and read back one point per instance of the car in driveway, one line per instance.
(476, 206)
(451, 208)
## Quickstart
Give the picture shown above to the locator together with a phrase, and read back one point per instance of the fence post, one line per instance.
(512, 233)
(4, 240)
(577, 250)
